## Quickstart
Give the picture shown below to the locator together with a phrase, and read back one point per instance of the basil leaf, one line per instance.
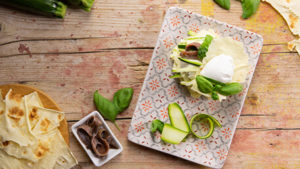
(231, 89)
(203, 84)
(107, 109)
(110, 109)
(223, 3)
(217, 87)
(157, 125)
(122, 98)
(215, 82)
(204, 47)
(249, 7)
(214, 95)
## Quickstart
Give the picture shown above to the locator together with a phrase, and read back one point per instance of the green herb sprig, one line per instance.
(157, 125)
(223, 3)
(204, 47)
(213, 87)
(249, 6)
(110, 109)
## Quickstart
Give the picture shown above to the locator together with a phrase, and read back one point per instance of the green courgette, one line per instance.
(192, 33)
(177, 75)
(172, 135)
(181, 46)
(177, 117)
(45, 7)
(190, 61)
(212, 123)
(83, 4)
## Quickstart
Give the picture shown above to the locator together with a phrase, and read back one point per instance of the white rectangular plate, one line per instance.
(159, 90)
(111, 153)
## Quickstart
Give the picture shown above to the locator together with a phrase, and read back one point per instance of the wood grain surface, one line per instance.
(111, 48)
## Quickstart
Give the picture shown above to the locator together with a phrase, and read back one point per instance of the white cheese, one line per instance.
(219, 68)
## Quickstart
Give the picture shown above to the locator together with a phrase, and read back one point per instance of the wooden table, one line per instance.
(111, 47)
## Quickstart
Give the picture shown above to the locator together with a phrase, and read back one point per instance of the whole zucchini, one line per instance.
(83, 4)
(45, 7)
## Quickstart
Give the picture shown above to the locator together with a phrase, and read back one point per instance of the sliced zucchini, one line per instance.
(190, 61)
(210, 132)
(182, 45)
(177, 75)
(177, 117)
(188, 68)
(192, 33)
(211, 120)
(172, 135)
(195, 38)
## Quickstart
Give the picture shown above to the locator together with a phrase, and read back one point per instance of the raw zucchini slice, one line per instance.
(172, 135)
(190, 61)
(177, 75)
(177, 117)
(211, 120)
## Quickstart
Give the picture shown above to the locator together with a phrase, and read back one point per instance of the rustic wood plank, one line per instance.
(137, 17)
(250, 149)
(94, 45)
(111, 48)
(146, 165)
(264, 149)
(72, 78)
(86, 45)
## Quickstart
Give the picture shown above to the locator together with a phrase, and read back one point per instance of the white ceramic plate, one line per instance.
(111, 153)
(159, 90)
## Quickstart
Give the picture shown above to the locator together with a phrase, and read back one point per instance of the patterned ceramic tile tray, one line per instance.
(158, 91)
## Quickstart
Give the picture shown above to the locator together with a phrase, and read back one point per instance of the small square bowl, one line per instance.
(111, 153)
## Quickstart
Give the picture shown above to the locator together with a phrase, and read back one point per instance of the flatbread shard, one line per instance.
(2, 109)
(58, 156)
(31, 102)
(295, 44)
(289, 9)
(48, 148)
(2, 106)
(47, 121)
(13, 121)
(32, 152)
(41, 120)
(1, 98)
